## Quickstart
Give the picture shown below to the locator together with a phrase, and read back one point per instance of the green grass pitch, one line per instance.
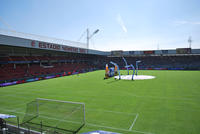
(168, 104)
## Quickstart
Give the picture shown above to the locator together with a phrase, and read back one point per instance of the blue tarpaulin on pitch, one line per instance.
(5, 116)
(100, 132)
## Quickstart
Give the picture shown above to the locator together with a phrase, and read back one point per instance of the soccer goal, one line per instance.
(54, 116)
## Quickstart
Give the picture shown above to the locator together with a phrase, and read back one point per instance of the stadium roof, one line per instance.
(18, 39)
(43, 38)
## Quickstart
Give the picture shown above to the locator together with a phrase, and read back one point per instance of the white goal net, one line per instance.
(55, 115)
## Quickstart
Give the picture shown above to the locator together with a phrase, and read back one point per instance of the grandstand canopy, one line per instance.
(17, 39)
(30, 41)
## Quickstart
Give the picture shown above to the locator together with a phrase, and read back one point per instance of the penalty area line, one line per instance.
(133, 122)
(119, 129)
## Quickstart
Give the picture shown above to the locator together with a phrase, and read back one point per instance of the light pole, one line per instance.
(190, 41)
(90, 36)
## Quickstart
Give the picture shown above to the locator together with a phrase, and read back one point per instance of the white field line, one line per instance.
(187, 102)
(43, 99)
(69, 115)
(88, 109)
(197, 94)
(12, 111)
(133, 122)
(90, 124)
(16, 109)
(14, 96)
(21, 95)
(119, 129)
(19, 105)
(24, 129)
(44, 116)
(154, 97)
(59, 119)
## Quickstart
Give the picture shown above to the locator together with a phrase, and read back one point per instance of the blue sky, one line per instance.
(123, 24)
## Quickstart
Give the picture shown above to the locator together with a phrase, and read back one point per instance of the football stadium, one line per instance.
(54, 86)
(99, 67)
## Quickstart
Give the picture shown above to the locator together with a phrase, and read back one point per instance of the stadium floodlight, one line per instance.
(190, 41)
(90, 36)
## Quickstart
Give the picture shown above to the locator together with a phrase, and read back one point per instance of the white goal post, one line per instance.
(55, 114)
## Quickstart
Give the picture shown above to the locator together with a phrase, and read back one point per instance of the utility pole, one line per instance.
(88, 38)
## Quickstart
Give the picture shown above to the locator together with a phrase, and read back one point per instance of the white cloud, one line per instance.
(187, 22)
(121, 23)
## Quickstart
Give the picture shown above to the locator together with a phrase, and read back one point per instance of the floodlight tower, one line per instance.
(190, 41)
(90, 36)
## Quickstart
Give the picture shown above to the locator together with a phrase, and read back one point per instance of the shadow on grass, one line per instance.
(110, 82)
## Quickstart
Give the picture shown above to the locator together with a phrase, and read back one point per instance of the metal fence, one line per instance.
(14, 127)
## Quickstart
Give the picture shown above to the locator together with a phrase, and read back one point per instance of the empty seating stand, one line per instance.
(21, 67)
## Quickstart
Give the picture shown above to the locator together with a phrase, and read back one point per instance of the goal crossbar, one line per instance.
(61, 115)
(61, 101)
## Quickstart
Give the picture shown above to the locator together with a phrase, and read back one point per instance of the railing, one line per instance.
(14, 127)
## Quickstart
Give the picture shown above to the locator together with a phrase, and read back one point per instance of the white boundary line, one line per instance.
(133, 122)
(154, 97)
(42, 116)
(119, 129)
(24, 129)
(16, 109)
(68, 115)
(89, 124)
(12, 111)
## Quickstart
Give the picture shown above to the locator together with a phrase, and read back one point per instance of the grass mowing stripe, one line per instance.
(68, 115)
(109, 111)
(170, 103)
(8, 110)
(139, 96)
(165, 98)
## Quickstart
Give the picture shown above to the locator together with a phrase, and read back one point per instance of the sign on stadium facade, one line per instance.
(51, 46)
(183, 50)
(117, 53)
(40, 42)
(149, 52)
(68, 46)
